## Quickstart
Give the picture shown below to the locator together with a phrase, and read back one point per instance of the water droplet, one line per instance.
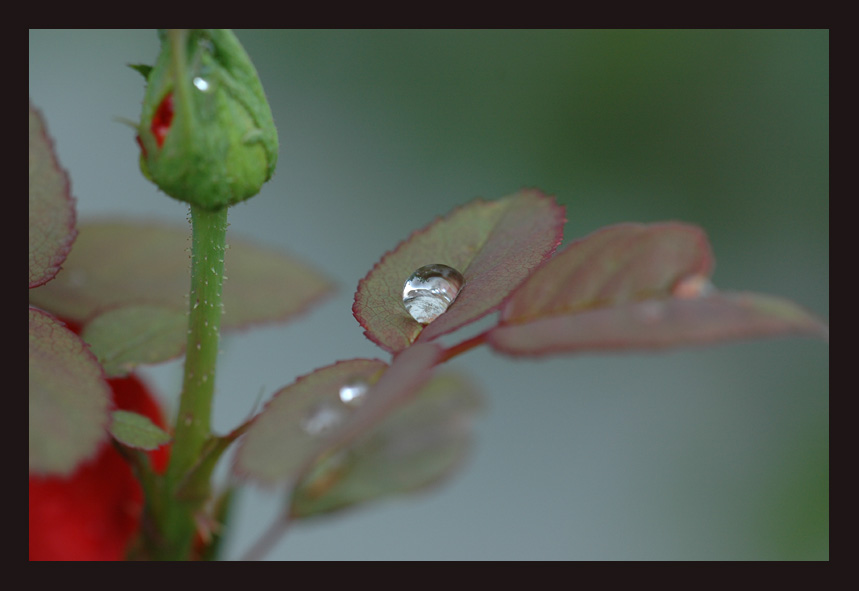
(429, 291)
(694, 286)
(322, 417)
(202, 84)
(352, 392)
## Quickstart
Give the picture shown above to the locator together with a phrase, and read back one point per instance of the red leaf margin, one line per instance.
(64, 246)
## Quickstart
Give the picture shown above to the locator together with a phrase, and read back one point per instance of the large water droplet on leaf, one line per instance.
(429, 291)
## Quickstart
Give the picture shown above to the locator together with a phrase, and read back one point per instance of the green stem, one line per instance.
(193, 422)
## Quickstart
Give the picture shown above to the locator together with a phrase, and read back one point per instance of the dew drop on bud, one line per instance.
(352, 392)
(429, 291)
(321, 418)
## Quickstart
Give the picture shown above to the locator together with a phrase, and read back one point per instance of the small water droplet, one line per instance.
(202, 84)
(322, 417)
(352, 392)
(429, 291)
(694, 286)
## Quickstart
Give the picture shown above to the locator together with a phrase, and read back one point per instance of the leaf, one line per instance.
(416, 446)
(614, 265)
(118, 264)
(69, 398)
(494, 244)
(657, 324)
(137, 431)
(635, 286)
(142, 69)
(306, 419)
(132, 335)
(52, 207)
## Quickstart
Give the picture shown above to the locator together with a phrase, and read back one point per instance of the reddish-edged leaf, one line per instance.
(658, 323)
(636, 286)
(308, 418)
(494, 244)
(120, 264)
(69, 398)
(52, 207)
(614, 265)
(416, 446)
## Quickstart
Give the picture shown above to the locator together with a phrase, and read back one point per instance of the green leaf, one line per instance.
(494, 244)
(137, 431)
(634, 286)
(307, 419)
(52, 207)
(69, 398)
(118, 264)
(143, 69)
(416, 446)
(126, 337)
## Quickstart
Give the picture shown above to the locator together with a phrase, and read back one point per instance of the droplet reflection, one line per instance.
(352, 392)
(201, 84)
(322, 418)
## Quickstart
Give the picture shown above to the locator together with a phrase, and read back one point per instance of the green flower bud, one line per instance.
(206, 132)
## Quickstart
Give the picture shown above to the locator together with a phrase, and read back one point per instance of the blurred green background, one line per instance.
(707, 454)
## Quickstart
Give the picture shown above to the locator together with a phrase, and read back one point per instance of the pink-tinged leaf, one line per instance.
(69, 398)
(636, 286)
(417, 446)
(116, 264)
(309, 418)
(658, 324)
(494, 244)
(52, 207)
(612, 266)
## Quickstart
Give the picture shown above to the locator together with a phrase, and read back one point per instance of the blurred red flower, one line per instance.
(94, 514)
